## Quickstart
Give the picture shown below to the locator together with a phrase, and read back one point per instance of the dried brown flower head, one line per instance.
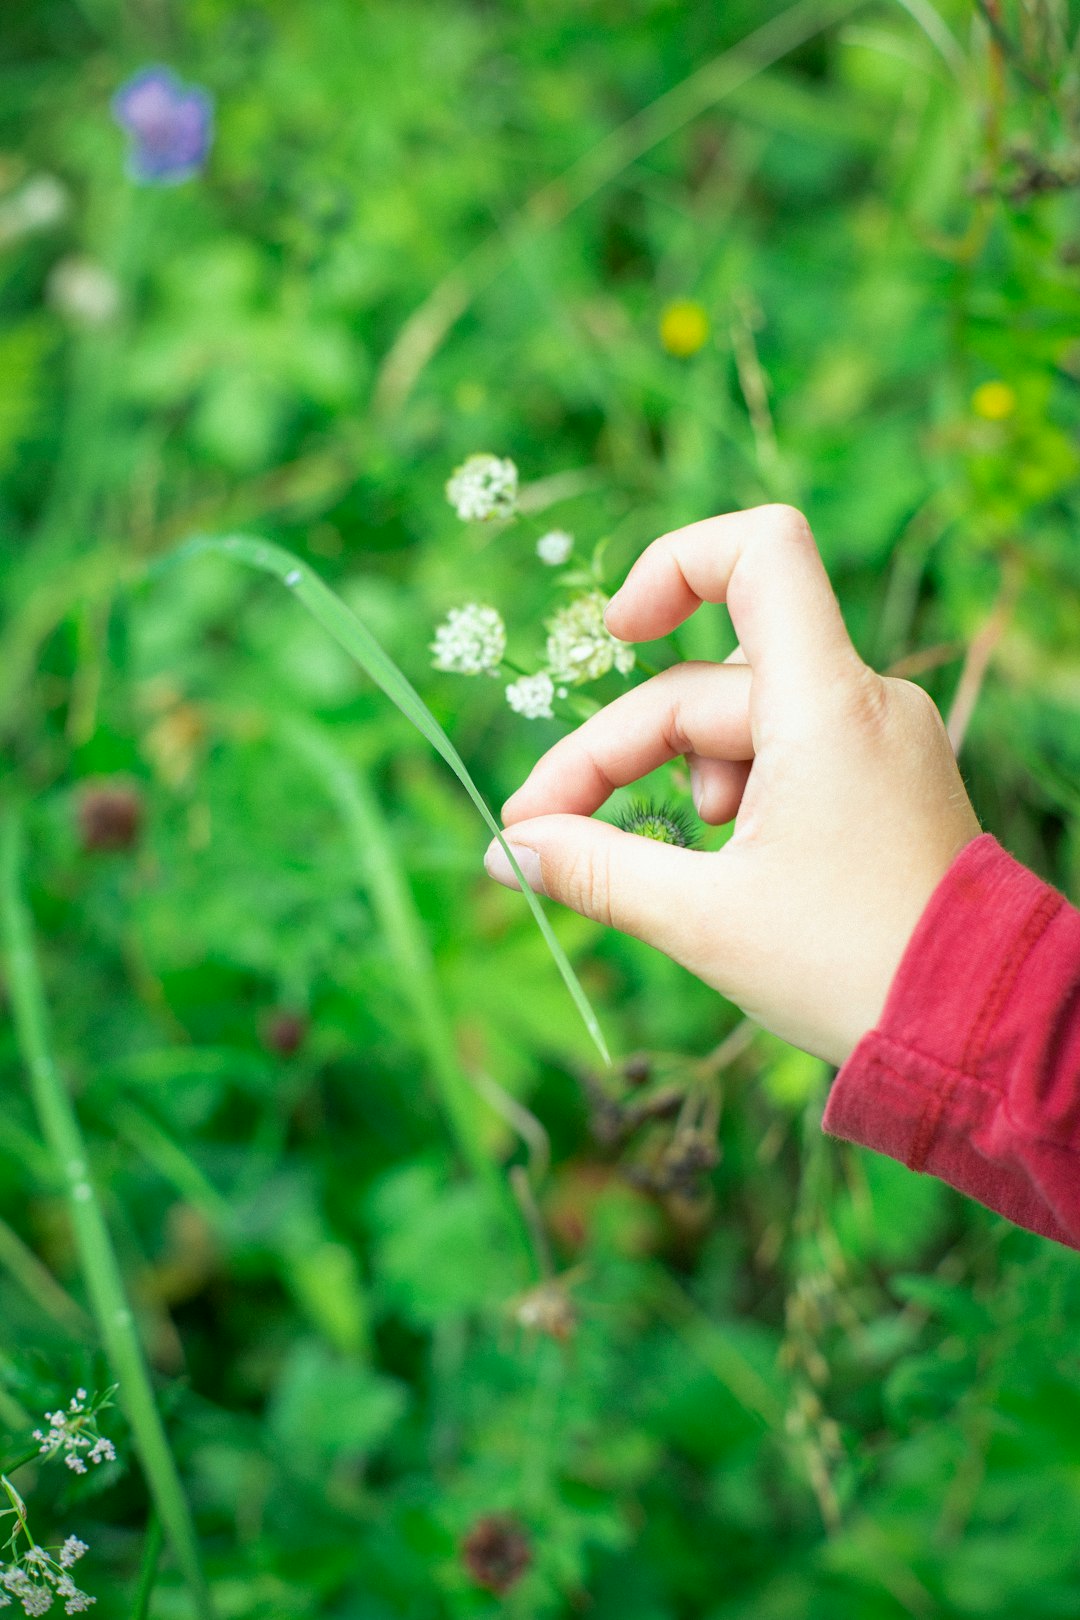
(109, 816)
(284, 1031)
(496, 1552)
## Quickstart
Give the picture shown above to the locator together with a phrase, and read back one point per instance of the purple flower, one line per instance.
(169, 125)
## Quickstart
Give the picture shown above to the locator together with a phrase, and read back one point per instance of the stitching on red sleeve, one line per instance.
(1006, 977)
(1000, 989)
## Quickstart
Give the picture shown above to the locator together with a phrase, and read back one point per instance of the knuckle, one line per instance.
(916, 703)
(586, 888)
(788, 523)
(866, 699)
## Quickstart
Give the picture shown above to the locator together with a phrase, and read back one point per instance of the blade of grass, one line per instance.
(402, 929)
(38, 1282)
(348, 631)
(140, 1607)
(172, 1164)
(63, 1134)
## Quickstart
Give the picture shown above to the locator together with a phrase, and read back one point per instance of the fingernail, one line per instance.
(697, 787)
(498, 867)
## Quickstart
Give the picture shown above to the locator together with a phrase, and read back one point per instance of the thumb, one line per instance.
(635, 884)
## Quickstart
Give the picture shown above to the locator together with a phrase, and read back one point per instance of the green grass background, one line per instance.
(814, 1386)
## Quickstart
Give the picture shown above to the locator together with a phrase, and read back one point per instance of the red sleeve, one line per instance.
(973, 1073)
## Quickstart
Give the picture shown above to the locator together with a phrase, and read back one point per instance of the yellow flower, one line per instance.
(684, 327)
(993, 401)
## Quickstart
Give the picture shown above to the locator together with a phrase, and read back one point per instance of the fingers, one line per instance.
(765, 565)
(689, 709)
(716, 786)
(644, 888)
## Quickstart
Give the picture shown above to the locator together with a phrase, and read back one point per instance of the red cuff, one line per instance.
(973, 1073)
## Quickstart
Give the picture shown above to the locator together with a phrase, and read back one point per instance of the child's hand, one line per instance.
(847, 801)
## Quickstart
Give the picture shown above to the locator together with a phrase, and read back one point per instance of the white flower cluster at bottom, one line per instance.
(37, 1579)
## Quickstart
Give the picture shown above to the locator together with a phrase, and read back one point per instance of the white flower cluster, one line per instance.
(40, 202)
(470, 641)
(84, 291)
(531, 696)
(580, 647)
(37, 1579)
(554, 547)
(74, 1433)
(483, 487)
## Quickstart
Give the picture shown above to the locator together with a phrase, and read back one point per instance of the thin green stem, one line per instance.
(148, 1570)
(13, 1464)
(97, 1257)
(37, 1281)
(404, 932)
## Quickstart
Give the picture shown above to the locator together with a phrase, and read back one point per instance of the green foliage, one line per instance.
(671, 260)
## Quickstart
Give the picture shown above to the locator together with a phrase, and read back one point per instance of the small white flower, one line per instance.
(85, 292)
(36, 1558)
(75, 1463)
(531, 696)
(72, 1550)
(102, 1450)
(77, 1602)
(35, 1599)
(554, 547)
(471, 641)
(42, 201)
(483, 487)
(579, 646)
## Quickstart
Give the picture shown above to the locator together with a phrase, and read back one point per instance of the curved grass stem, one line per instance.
(97, 1257)
(356, 639)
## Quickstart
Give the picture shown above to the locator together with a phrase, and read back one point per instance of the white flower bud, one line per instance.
(554, 547)
(471, 641)
(531, 696)
(483, 487)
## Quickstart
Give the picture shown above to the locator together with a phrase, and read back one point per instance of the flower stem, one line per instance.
(101, 1271)
(149, 1569)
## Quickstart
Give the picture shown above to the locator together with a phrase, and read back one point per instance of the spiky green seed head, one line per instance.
(665, 824)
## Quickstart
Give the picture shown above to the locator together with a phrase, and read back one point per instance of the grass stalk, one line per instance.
(38, 1282)
(356, 639)
(403, 931)
(101, 1271)
(148, 1569)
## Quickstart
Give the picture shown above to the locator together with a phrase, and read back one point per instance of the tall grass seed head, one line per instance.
(470, 641)
(579, 645)
(531, 696)
(482, 488)
(665, 824)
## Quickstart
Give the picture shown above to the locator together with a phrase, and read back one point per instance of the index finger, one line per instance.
(764, 563)
(694, 708)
